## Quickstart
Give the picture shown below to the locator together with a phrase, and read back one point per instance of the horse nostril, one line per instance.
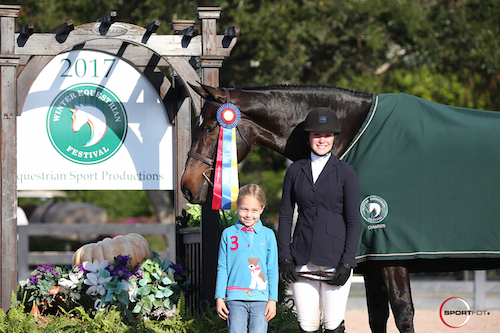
(188, 194)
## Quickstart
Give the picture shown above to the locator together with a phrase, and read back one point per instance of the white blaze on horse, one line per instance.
(89, 114)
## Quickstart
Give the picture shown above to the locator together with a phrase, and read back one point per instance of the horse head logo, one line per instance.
(374, 209)
(89, 114)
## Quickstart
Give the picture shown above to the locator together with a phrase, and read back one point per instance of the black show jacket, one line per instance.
(328, 224)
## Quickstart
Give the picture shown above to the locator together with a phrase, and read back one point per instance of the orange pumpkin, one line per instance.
(132, 245)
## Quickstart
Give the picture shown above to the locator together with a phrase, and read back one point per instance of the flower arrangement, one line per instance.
(148, 290)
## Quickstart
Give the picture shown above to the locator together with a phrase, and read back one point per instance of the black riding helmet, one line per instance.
(322, 120)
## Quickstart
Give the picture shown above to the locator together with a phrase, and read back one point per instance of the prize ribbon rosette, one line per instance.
(226, 165)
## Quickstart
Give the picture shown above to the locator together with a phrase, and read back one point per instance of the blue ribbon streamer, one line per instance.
(226, 168)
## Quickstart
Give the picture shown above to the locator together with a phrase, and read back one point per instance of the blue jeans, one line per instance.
(246, 317)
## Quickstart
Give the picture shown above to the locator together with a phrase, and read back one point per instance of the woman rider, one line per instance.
(319, 257)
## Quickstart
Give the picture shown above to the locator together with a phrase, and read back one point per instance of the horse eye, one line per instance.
(209, 129)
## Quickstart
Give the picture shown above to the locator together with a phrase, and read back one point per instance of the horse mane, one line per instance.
(306, 87)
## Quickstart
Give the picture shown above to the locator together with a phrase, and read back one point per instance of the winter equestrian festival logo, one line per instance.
(87, 123)
(374, 209)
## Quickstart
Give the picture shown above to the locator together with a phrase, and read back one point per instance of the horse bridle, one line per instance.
(207, 160)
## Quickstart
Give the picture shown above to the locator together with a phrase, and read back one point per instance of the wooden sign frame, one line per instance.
(24, 54)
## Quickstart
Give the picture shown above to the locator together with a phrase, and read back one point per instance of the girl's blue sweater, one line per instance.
(247, 269)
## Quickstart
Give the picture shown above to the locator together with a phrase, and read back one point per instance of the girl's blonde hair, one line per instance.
(253, 190)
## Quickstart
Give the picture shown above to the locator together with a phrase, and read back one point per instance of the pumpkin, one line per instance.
(133, 245)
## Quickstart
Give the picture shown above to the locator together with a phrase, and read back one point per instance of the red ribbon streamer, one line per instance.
(217, 199)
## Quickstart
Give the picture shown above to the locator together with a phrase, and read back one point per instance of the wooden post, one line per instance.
(8, 154)
(182, 143)
(210, 60)
(210, 235)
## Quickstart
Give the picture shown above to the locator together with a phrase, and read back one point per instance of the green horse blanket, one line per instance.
(429, 181)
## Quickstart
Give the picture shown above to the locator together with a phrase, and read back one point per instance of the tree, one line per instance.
(362, 44)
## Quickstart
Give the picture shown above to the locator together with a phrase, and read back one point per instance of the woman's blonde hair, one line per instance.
(253, 190)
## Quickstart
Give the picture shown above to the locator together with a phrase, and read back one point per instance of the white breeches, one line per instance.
(315, 299)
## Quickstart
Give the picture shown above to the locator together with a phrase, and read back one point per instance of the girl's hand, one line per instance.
(222, 310)
(270, 311)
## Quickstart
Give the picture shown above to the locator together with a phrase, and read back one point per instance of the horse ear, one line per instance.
(217, 94)
(208, 92)
(199, 90)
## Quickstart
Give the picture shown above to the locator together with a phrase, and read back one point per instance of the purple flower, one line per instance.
(178, 270)
(122, 268)
(42, 271)
(80, 269)
(139, 272)
(34, 279)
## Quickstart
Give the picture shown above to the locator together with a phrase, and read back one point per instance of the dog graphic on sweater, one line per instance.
(258, 282)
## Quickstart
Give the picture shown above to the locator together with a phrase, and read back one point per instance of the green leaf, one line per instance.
(165, 264)
(123, 297)
(147, 304)
(109, 285)
(104, 273)
(144, 291)
(137, 308)
(167, 304)
(167, 292)
(109, 297)
(166, 280)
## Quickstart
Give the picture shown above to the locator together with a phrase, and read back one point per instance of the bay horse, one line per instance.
(271, 117)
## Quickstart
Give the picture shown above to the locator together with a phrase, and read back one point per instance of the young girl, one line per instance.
(247, 272)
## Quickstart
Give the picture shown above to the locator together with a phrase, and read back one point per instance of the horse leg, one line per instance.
(397, 282)
(376, 297)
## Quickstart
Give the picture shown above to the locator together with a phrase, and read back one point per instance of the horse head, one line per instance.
(79, 119)
(196, 179)
(86, 113)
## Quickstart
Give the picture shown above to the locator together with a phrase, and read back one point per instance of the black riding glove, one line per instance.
(287, 271)
(342, 273)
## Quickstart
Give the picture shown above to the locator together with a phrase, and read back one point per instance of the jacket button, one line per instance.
(312, 205)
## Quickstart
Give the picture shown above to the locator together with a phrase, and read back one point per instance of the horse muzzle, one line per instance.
(195, 186)
(198, 196)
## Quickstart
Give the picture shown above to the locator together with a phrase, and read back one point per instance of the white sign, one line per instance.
(91, 121)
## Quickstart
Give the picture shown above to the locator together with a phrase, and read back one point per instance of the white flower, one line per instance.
(72, 283)
(96, 284)
(95, 267)
(131, 288)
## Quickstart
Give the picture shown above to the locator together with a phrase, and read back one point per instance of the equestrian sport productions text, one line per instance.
(77, 177)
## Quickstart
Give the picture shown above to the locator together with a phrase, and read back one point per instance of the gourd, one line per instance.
(133, 245)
